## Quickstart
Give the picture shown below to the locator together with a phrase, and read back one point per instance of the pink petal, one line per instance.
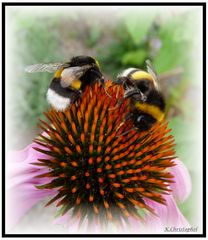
(21, 191)
(182, 186)
(135, 226)
(61, 220)
(168, 215)
(74, 226)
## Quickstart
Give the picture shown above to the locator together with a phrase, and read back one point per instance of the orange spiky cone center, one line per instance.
(100, 173)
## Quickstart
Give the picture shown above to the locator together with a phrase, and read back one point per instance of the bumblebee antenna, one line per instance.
(120, 135)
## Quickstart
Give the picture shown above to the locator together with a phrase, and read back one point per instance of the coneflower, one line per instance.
(100, 173)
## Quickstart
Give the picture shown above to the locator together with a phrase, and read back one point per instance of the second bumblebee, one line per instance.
(147, 104)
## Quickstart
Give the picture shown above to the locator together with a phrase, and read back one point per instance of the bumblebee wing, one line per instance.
(45, 67)
(151, 70)
(71, 74)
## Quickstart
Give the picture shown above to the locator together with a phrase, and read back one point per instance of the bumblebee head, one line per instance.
(93, 73)
(82, 61)
(134, 77)
(144, 121)
(86, 60)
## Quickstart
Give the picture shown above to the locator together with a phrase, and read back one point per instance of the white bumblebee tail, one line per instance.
(57, 101)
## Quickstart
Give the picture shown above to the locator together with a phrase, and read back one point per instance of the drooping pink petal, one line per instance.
(181, 188)
(62, 219)
(73, 224)
(21, 192)
(135, 226)
(169, 215)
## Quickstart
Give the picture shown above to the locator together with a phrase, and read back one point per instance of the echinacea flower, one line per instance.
(96, 172)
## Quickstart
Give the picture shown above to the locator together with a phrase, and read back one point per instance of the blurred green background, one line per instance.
(119, 38)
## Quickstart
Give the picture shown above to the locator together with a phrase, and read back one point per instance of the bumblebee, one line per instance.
(147, 104)
(70, 79)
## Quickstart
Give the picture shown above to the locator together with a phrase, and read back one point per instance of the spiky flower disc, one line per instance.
(100, 173)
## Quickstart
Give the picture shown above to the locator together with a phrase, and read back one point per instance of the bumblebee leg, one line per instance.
(123, 83)
(102, 81)
(129, 93)
(77, 95)
(127, 117)
(120, 125)
(127, 132)
(107, 92)
(135, 91)
(90, 92)
(118, 89)
(117, 105)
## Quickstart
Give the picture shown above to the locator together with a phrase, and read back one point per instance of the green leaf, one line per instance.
(176, 36)
(138, 25)
(94, 36)
(134, 57)
(187, 137)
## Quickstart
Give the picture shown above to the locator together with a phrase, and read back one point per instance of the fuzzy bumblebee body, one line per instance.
(147, 104)
(70, 79)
